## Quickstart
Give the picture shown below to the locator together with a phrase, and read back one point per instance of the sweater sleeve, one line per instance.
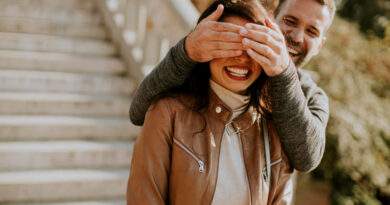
(172, 71)
(300, 111)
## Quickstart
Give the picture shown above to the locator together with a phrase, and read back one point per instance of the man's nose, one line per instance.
(297, 35)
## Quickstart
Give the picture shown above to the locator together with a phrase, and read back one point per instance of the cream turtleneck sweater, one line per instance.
(232, 183)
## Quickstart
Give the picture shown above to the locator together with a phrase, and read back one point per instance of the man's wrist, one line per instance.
(183, 55)
(286, 76)
(278, 71)
(187, 49)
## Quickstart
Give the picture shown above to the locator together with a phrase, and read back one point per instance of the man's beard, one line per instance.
(298, 47)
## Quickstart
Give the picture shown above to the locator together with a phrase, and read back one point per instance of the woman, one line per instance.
(212, 140)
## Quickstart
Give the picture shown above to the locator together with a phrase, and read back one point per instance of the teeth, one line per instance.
(294, 52)
(238, 72)
(238, 75)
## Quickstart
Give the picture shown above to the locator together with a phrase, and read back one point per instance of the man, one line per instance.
(299, 108)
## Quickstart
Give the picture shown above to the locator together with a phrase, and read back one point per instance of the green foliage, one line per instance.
(355, 73)
(373, 16)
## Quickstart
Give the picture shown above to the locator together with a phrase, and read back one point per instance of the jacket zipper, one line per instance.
(200, 162)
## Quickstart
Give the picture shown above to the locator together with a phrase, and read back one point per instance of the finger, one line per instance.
(272, 25)
(261, 49)
(224, 36)
(263, 61)
(260, 37)
(223, 26)
(220, 45)
(225, 53)
(261, 28)
(215, 15)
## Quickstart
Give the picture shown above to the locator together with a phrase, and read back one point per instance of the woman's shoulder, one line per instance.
(173, 103)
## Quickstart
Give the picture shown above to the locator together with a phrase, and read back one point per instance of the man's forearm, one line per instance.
(172, 71)
(300, 123)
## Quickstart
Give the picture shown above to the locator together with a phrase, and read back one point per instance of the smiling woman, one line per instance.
(212, 140)
(236, 73)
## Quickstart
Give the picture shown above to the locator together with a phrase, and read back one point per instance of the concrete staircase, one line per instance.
(65, 137)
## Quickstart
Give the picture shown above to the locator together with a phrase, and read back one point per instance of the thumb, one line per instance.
(215, 15)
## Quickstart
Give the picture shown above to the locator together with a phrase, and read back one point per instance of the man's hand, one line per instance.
(266, 45)
(211, 39)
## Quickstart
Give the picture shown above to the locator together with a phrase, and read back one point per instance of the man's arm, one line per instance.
(172, 71)
(300, 111)
(300, 120)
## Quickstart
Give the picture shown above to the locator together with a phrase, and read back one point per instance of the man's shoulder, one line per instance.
(308, 80)
(308, 77)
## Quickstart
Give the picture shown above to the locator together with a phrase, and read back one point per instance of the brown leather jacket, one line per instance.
(176, 156)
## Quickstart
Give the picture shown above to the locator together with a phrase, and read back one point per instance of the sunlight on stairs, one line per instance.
(65, 137)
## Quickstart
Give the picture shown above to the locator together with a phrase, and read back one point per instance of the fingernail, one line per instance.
(248, 26)
(246, 40)
(243, 31)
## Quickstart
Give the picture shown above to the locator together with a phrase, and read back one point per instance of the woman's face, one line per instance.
(235, 73)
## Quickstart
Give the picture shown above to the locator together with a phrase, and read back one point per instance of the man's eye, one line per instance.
(289, 22)
(312, 33)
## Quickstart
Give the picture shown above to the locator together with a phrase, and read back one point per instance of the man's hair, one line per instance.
(328, 3)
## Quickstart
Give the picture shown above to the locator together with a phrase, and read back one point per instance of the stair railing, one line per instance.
(144, 30)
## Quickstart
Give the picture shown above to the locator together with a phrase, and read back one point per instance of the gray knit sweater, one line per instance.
(300, 108)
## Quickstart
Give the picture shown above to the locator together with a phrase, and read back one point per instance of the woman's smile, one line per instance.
(237, 72)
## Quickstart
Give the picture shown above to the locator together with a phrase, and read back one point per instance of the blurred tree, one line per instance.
(371, 15)
(355, 73)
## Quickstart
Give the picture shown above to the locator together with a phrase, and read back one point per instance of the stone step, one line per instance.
(42, 81)
(55, 4)
(47, 43)
(32, 103)
(64, 154)
(57, 185)
(37, 26)
(43, 12)
(96, 202)
(38, 127)
(28, 60)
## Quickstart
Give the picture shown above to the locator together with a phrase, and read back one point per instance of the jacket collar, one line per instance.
(219, 110)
